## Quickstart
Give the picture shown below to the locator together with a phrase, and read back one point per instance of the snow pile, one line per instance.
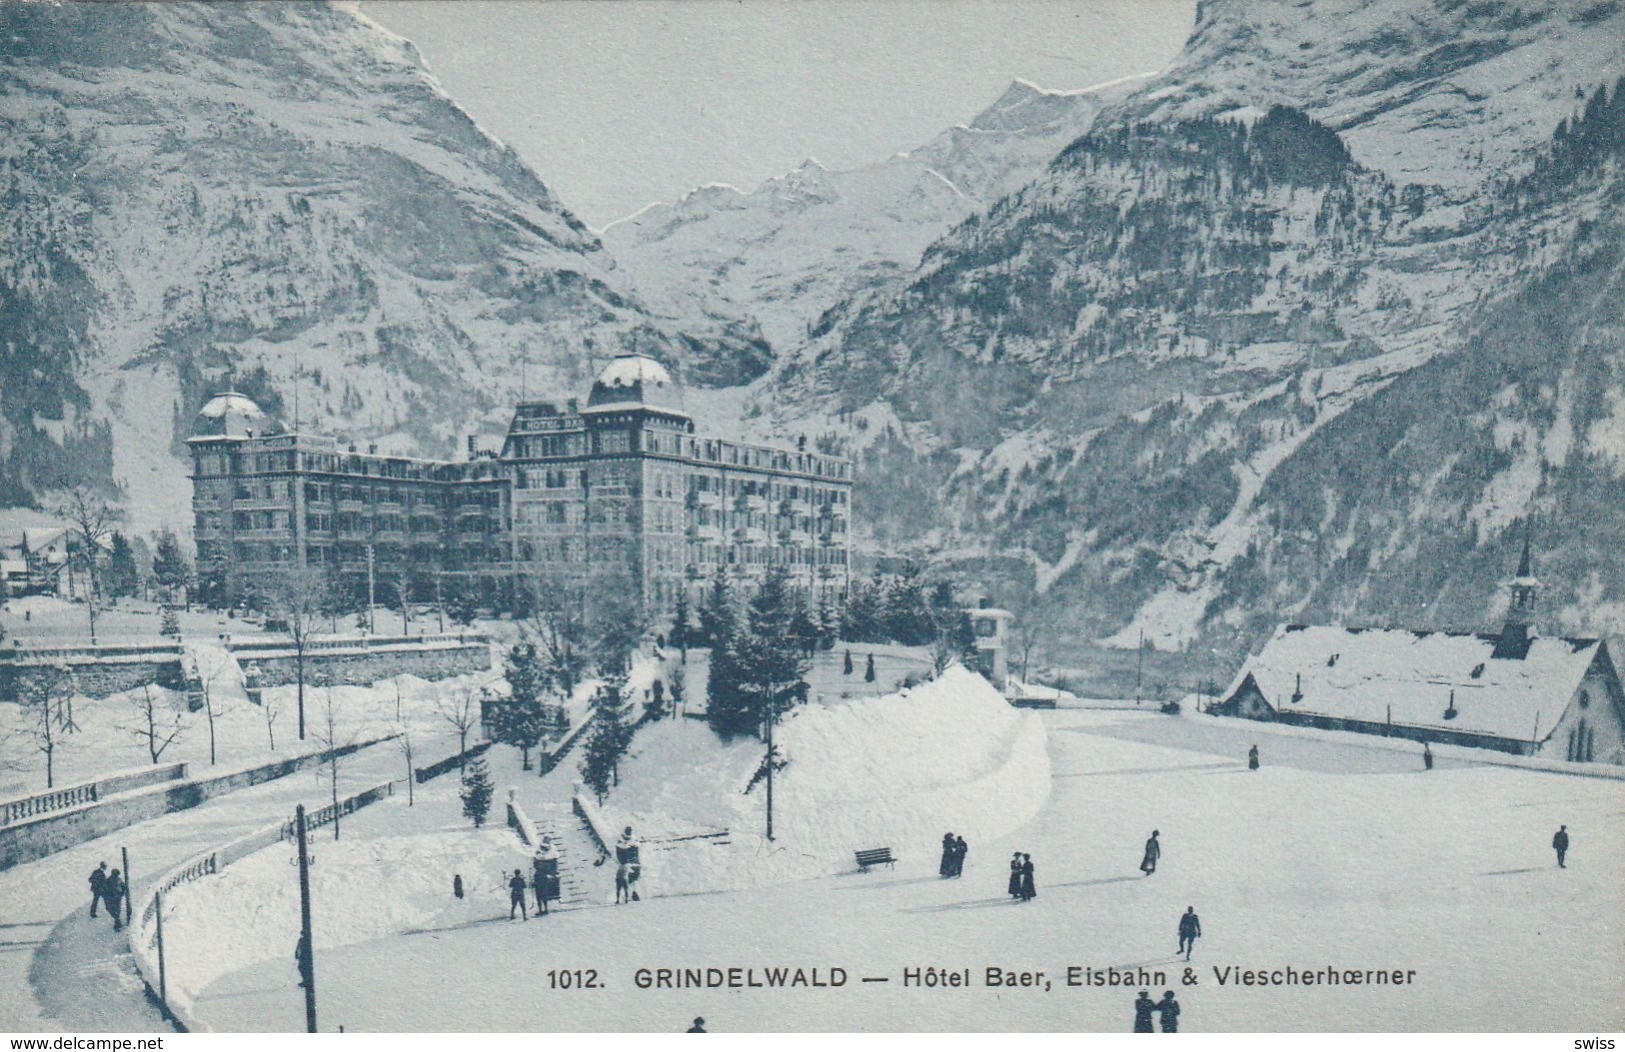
(896, 771)
(361, 889)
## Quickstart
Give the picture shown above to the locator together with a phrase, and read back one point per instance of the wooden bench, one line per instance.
(875, 856)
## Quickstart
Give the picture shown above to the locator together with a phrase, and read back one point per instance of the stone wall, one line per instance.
(364, 666)
(31, 840)
(97, 671)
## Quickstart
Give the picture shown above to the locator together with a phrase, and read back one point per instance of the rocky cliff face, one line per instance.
(1263, 344)
(197, 193)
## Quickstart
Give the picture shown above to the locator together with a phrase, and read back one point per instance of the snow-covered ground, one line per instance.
(896, 771)
(1333, 854)
(111, 733)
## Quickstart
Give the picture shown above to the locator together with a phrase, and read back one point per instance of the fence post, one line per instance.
(163, 985)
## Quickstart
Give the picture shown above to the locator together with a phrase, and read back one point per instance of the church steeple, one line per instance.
(1518, 632)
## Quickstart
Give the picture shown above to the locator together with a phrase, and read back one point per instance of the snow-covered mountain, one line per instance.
(784, 253)
(197, 191)
(1267, 342)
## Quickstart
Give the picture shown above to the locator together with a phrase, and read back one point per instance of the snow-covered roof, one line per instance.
(13, 566)
(229, 415)
(635, 381)
(1359, 674)
(38, 537)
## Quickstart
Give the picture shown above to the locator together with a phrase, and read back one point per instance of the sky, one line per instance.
(620, 104)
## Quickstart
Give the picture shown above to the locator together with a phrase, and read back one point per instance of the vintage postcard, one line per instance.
(683, 516)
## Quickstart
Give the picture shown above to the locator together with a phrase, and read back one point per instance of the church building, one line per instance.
(1513, 691)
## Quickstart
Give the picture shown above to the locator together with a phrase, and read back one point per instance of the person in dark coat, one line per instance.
(1168, 1009)
(1153, 851)
(1560, 844)
(1015, 876)
(1427, 757)
(98, 877)
(302, 960)
(698, 1027)
(113, 894)
(516, 896)
(545, 874)
(960, 850)
(946, 867)
(1252, 758)
(457, 884)
(1028, 891)
(1143, 1007)
(1190, 929)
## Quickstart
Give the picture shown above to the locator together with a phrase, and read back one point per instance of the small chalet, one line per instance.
(1513, 691)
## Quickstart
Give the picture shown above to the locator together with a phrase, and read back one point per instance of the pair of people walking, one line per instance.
(544, 875)
(953, 855)
(107, 887)
(1167, 1011)
(628, 868)
(1021, 878)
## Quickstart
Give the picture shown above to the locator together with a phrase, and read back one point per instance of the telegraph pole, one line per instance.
(372, 558)
(308, 965)
(770, 775)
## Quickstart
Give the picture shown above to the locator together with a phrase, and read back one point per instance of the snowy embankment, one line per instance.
(363, 886)
(896, 771)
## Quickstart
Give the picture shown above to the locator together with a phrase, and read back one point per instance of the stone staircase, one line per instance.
(580, 882)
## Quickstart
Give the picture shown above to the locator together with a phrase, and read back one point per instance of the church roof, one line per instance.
(635, 381)
(1362, 674)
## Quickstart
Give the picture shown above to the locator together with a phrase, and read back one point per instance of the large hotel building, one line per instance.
(623, 482)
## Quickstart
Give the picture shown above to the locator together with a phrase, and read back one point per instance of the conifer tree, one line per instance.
(601, 756)
(169, 624)
(772, 668)
(477, 791)
(680, 628)
(170, 570)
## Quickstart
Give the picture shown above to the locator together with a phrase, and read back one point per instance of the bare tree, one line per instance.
(403, 742)
(93, 520)
(298, 598)
(334, 735)
(211, 666)
(269, 711)
(45, 696)
(557, 627)
(462, 711)
(160, 722)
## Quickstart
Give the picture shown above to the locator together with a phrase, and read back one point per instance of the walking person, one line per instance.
(1168, 1011)
(1190, 929)
(516, 896)
(946, 867)
(1427, 757)
(1143, 1007)
(1015, 876)
(1028, 890)
(960, 849)
(1252, 758)
(1560, 844)
(113, 889)
(98, 877)
(1153, 851)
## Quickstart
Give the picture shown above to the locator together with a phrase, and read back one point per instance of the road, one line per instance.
(60, 969)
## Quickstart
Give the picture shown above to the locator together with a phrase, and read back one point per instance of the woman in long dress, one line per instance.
(545, 874)
(1015, 876)
(1028, 892)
